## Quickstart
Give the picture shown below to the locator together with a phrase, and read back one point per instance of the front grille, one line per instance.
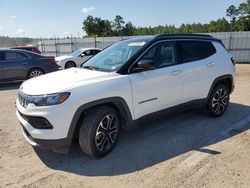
(24, 99)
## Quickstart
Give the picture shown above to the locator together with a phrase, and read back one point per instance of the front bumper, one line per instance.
(60, 65)
(58, 146)
(58, 115)
(56, 138)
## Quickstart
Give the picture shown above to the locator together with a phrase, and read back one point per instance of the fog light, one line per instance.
(37, 122)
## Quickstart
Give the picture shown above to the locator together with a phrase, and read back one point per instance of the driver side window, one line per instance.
(162, 54)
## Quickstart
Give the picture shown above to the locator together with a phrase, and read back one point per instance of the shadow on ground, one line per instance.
(10, 86)
(154, 143)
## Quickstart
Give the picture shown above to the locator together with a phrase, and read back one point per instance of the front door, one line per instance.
(161, 88)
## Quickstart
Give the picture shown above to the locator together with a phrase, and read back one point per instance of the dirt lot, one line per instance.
(185, 150)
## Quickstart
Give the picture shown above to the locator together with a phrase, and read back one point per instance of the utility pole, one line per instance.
(55, 45)
(71, 42)
(231, 32)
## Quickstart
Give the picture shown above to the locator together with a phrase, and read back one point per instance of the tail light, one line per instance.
(52, 60)
(233, 60)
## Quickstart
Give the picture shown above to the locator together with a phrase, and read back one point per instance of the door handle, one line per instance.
(210, 64)
(176, 72)
(24, 63)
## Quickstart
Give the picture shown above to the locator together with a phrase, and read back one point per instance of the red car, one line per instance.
(28, 48)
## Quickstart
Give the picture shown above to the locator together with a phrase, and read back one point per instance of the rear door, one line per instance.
(199, 68)
(15, 65)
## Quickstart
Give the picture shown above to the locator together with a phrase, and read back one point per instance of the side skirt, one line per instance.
(195, 104)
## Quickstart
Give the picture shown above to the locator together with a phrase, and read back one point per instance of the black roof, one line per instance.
(173, 36)
(188, 36)
(185, 35)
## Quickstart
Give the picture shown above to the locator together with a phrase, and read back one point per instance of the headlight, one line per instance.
(47, 100)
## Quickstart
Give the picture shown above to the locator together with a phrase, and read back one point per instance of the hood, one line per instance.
(61, 58)
(62, 80)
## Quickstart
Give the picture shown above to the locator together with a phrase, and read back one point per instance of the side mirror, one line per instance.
(144, 65)
(82, 55)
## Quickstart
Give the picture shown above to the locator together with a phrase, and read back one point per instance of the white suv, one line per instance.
(125, 83)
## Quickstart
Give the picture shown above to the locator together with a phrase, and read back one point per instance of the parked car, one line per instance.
(128, 82)
(28, 48)
(76, 58)
(22, 64)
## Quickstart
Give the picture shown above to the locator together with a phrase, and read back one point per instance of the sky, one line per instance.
(61, 18)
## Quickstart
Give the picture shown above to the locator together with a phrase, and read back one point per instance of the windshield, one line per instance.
(113, 57)
(76, 53)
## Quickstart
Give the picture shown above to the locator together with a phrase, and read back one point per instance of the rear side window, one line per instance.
(195, 50)
(13, 55)
(94, 52)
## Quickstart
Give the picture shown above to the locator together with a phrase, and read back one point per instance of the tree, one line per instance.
(244, 18)
(118, 25)
(97, 27)
(244, 8)
(232, 12)
(88, 26)
(128, 29)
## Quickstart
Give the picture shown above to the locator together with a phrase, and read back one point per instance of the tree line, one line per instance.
(239, 21)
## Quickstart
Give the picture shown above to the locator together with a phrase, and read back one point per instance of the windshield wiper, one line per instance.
(90, 67)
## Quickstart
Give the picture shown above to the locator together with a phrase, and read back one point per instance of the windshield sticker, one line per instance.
(136, 44)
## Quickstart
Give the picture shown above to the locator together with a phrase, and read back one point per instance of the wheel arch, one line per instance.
(117, 103)
(225, 80)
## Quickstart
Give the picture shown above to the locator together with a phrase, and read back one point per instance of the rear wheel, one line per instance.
(218, 101)
(35, 72)
(99, 131)
(70, 64)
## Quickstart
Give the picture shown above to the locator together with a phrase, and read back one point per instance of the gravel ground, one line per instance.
(185, 150)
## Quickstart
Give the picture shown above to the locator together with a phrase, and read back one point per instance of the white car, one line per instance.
(76, 58)
(128, 82)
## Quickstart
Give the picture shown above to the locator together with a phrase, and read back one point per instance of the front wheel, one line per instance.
(99, 131)
(218, 101)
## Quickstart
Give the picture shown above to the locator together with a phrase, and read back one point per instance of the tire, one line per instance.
(218, 101)
(99, 131)
(35, 72)
(70, 64)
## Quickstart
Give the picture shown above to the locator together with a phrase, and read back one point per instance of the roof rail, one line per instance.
(184, 35)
